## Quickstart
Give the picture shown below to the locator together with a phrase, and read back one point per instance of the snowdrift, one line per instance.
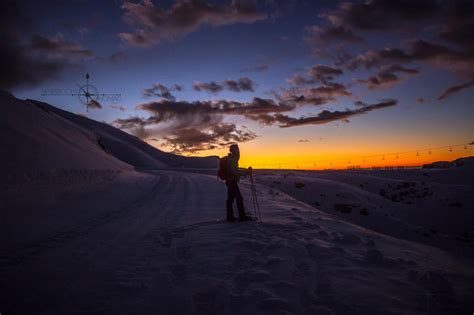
(38, 137)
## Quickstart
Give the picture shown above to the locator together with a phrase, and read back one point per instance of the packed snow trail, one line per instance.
(149, 243)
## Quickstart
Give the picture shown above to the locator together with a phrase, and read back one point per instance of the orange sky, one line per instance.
(337, 158)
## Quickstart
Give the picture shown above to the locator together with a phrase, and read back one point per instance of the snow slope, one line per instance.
(148, 243)
(431, 206)
(35, 140)
(38, 137)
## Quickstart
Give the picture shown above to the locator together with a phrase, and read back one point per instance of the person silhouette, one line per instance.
(233, 191)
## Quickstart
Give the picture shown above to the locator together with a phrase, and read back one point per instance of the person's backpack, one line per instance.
(224, 172)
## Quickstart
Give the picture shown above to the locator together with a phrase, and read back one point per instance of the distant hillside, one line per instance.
(39, 137)
(466, 162)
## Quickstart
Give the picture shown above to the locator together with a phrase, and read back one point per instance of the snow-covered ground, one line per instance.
(95, 235)
(430, 206)
(149, 243)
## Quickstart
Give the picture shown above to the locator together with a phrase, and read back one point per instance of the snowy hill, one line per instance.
(466, 163)
(39, 137)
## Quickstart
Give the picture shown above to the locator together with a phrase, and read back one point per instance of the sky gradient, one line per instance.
(290, 81)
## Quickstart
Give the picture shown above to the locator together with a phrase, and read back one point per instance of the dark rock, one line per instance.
(437, 285)
(374, 256)
(299, 185)
(343, 208)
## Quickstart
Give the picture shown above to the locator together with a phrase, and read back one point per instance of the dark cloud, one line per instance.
(154, 25)
(199, 125)
(454, 89)
(447, 24)
(257, 68)
(211, 87)
(314, 95)
(201, 111)
(382, 14)
(191, 140)
(299, 79)
(59, 47)
(317, 74)
(387, 77)
(325, 116)
(178, 120)
(243, 84)
(318, 35)
(130, 123)
(21, 68)
(94, 104)
(117, 107)
(159, 90)
(459, 61)
(324, 74)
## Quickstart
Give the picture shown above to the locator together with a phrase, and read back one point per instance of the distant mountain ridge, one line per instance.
(37, 136)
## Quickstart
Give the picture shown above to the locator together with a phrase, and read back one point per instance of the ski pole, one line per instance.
(253, 197)
(254, 194)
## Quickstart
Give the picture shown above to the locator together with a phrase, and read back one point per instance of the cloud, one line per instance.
(459, 61)
(159, 90)
(177, 121)
(117, 107)
(94, 104)
(317, 74)
(387, 77)
(192, 126)
(454, 89)
(59, 47)
(154, 25)
(420, 100)
(191, 140)
(382, 14)
(257, 68)
(314, 95)
(318, 35)
(211, 87)
(243, 84)
(199, 112)
(324, 74)
(325, 116)
(303, 140)
(442, 22)
(21, 68)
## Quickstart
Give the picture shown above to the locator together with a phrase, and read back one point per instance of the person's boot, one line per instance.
(246, 218)
(230, 216)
